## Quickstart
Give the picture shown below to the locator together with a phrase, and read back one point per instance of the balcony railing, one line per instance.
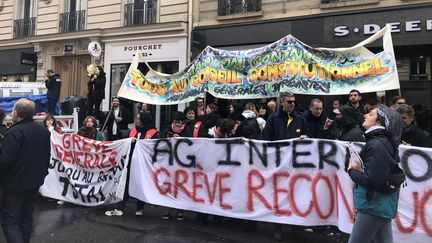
(24, 27)
(72, 21)
(227, 7)
(140, 13)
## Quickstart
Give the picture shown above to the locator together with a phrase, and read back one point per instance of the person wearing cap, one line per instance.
(374, 208)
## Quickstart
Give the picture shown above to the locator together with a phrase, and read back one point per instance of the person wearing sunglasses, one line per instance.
(285, 123)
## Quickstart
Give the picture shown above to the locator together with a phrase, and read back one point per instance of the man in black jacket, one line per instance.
(24, 160)
(53, 84)
(412, 134)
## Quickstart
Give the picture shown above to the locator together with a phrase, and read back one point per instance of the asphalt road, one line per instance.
(76, 224)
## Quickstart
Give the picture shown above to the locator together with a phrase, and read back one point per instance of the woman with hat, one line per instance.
(375, 207)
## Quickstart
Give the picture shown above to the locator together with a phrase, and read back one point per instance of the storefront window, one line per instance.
(418, 68)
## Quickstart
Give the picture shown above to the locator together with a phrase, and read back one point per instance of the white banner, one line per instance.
(85, 171)
(301, 182)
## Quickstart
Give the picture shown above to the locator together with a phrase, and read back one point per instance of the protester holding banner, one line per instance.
(89, 130)
(286, 123)
(51, 123)
(375, 205)
(178, 128)
(24, 160)
(144, 125)
(314, 118)
(96, 93)
(223, 129)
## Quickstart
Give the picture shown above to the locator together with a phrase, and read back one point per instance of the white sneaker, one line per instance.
(60, 202)
(139, 213)
(114, 212)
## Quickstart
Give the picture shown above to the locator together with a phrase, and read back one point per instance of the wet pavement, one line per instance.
(71, 223)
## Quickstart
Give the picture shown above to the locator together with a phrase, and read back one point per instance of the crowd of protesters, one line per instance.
(274, 120)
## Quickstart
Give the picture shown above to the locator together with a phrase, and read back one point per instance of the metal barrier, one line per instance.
(67, 123)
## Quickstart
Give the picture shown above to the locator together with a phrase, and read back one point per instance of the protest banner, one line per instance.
(301, 182)
(285, 65)
(86, 172)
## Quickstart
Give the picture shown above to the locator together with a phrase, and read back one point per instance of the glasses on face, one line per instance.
(400, 103)
(290, 101)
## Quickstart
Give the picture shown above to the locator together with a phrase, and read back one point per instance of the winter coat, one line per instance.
(96, 87)
(53, 84)
(248, 114)
(24, 156)
(197, 124)
(350, 128)
(276, 127)
(314, 124)
(379, 157)
(416, 136)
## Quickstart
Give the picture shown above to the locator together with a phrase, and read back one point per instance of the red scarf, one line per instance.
(177, 128)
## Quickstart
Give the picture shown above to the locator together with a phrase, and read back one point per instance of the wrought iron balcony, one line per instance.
(72, 21)
(140, 13)
(24, 27)
(227, 7)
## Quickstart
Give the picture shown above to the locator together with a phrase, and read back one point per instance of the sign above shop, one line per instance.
(95, 49)
(28, 59)
(395, 27)
(152, 51)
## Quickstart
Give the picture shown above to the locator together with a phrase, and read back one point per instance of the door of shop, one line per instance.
(73, 73)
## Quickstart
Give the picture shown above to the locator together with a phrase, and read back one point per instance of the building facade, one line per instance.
(36, 35)
(244, 24)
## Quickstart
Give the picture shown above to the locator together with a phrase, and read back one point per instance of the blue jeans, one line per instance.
(17, 212)
(369, 228)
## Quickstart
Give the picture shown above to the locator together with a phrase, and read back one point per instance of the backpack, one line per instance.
(253, 124)
(395, 179)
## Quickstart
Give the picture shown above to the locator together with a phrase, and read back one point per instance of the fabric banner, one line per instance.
(86, 172)
(301, 182)
(285, 65)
